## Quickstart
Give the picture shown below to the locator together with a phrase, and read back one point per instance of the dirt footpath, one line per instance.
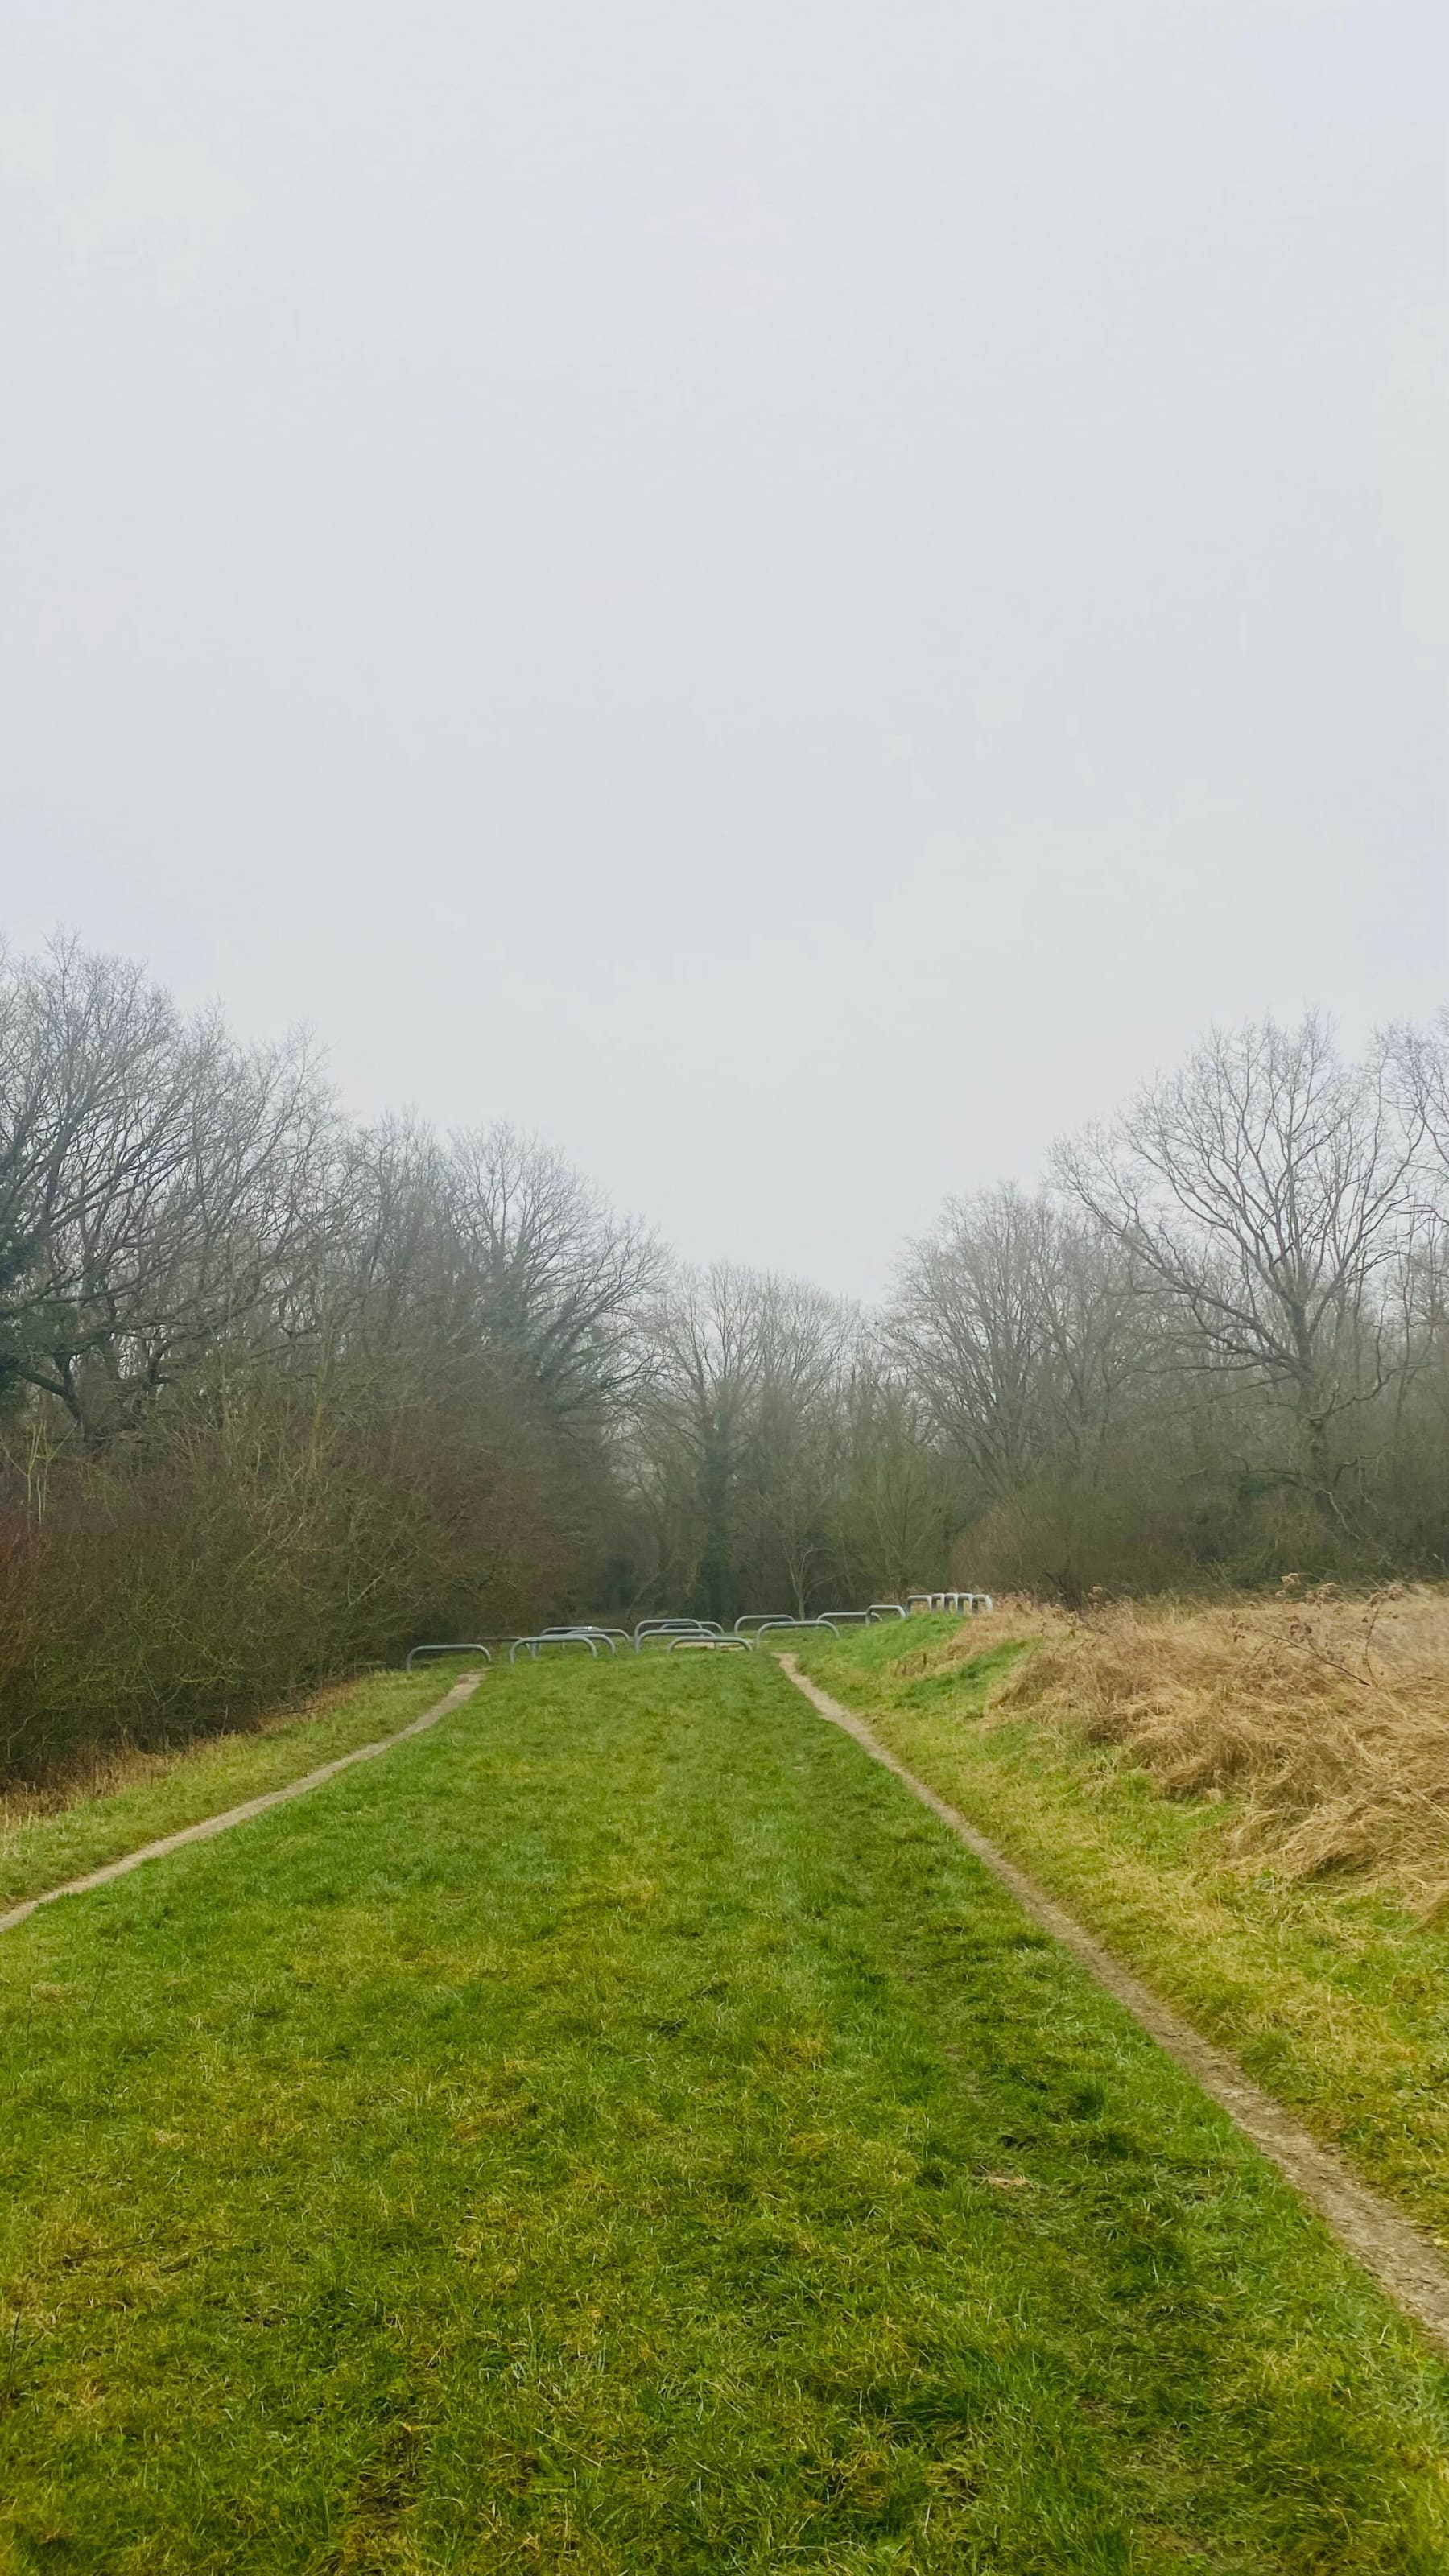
(1399, 2256)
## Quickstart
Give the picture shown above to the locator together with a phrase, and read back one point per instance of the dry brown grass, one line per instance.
(1326, 1721)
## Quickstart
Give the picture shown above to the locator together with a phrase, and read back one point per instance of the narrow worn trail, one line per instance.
(1399, 2256)
(240, 1815)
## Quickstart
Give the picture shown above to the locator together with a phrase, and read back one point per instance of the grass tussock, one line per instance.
(1323, 1720)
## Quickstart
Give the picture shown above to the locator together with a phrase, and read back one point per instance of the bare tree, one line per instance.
(92, 1123)
(797, 1447)
(155, 1181)
(706, 1359)
(1265, 1191)
(896, 1509)
(737, 1441)
(981, 1324)
(1418, 1063)
(1102, 1343)
(966, 1324)
(559, 1279)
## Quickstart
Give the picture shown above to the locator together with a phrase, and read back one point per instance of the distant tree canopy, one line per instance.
(279, 1391)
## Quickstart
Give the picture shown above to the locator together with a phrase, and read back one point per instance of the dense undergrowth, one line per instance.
(178, 1586)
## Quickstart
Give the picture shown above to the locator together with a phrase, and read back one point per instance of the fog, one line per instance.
(793, 597)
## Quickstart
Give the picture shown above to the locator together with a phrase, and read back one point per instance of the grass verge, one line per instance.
(43, 1846)
(1331, 1997)
(619, 2133)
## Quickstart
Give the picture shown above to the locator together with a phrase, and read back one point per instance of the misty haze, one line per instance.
(724, 1288)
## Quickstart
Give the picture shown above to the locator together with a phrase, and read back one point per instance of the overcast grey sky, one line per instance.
(794, 596)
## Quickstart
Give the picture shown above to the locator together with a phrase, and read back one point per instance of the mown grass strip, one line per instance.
(631, 2136)
(1330, 1998)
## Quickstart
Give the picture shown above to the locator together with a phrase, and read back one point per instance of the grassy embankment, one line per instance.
(1247, 1808)
(620, 2131)
(49, 1836)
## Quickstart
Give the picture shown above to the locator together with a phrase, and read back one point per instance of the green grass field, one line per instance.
(621, 2131)
(1331, 1997)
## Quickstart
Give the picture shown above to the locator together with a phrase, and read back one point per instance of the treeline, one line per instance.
(281, 1393)
(1212, 1351)
(278, 1393)
(1215, 1349)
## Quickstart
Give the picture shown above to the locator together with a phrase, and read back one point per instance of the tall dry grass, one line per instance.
(1326, 1721)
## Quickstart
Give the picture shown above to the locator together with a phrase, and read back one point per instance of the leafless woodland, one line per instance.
(280, 1392)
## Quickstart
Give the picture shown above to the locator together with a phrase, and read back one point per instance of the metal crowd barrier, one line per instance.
(749, 1628)
(664, 1627)
(553, 1637)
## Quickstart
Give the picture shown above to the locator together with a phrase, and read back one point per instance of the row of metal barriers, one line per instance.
(707, 1635)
